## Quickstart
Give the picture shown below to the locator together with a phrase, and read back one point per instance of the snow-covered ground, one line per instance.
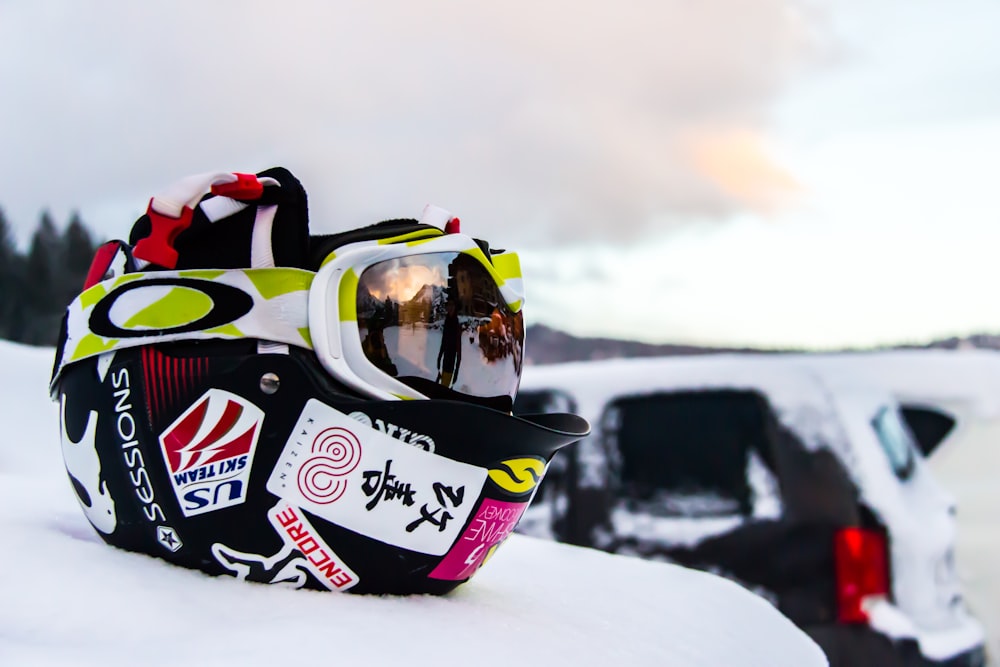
(68, 599)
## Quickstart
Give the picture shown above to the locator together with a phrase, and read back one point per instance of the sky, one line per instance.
(803, 173)
(70, 600)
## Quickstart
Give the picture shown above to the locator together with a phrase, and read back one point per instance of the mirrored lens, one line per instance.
(437, 323)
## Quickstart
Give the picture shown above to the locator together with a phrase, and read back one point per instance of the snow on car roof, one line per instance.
(971, 377)
(797, 395)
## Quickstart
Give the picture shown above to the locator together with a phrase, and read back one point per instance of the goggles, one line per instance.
(425, 318)
(421, 315)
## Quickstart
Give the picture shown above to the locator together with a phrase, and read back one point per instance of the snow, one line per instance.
(71, 600)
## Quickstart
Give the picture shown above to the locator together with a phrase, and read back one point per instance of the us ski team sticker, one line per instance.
(209, 451)
(373, 484)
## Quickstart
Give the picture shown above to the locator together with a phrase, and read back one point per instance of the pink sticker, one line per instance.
(494, 521)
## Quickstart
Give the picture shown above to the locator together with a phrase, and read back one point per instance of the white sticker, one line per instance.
(373, 484)
(84, 465)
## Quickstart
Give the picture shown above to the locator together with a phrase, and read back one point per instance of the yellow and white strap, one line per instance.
(137, 309)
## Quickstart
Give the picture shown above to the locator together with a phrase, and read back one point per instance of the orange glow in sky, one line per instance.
(401, 283)
(737, 161)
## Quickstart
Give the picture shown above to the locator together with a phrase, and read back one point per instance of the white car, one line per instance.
(812, 493)
(951, 401)
(951, 398)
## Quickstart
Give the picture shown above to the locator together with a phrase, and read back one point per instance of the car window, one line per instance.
(896, 440)
(930, 426)
(686, 453)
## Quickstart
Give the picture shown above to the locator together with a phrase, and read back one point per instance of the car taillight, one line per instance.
(861, 562)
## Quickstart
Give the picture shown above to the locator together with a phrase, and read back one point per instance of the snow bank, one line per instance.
(71, 600)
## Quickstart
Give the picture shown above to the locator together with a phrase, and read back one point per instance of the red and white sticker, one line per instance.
(209, 451)
(366, 481)
(304, 553)
(320, 559)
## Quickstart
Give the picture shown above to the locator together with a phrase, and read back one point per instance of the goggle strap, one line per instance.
(262, 257)
(267, 304)
(387, 231)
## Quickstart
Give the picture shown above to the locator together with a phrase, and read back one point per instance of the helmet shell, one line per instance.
(179, 450)
(243, 458)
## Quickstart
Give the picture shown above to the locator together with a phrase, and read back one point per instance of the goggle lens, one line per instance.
(438, 323)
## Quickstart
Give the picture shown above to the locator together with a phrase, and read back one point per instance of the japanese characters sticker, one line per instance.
(373, 484)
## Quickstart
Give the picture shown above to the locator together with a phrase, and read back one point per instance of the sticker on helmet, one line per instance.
(84, 467)
(494, 522)
(128, 422)
(304, 551)
(420, 440)
(209, 451)
(366, 481)
(518, 476)
(167, 537)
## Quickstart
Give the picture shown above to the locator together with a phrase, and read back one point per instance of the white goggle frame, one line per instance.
(333, 324)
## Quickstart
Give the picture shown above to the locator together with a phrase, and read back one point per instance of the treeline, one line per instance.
(36, 287)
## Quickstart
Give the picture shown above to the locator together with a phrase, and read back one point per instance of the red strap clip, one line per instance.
(246, 187)
(101, 263)
(158, 247)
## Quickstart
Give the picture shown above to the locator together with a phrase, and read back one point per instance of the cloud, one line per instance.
(535, 122)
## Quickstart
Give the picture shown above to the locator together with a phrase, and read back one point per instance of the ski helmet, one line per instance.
(333, 412)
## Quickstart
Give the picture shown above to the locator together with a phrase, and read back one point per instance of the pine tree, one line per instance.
(43, 302)
(35, 289)
(77, 252)
(11, 287)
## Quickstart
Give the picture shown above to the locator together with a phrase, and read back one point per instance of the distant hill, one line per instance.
(545, 345)
(978, 341)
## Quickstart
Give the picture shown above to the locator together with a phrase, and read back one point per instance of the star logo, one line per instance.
(167, 536)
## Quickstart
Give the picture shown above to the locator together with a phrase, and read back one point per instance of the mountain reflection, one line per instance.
(430, 316)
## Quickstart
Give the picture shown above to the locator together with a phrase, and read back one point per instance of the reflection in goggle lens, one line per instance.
(438, 323)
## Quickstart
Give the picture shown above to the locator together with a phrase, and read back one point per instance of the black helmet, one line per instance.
(333, 412)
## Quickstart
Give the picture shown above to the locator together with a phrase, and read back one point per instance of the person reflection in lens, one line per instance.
(450, 355)
(374, 343)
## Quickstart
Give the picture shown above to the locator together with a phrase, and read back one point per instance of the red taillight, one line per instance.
(862, 570)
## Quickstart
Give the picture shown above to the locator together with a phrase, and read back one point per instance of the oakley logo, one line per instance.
(209, 451)
(167, 306)
(420, 440)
